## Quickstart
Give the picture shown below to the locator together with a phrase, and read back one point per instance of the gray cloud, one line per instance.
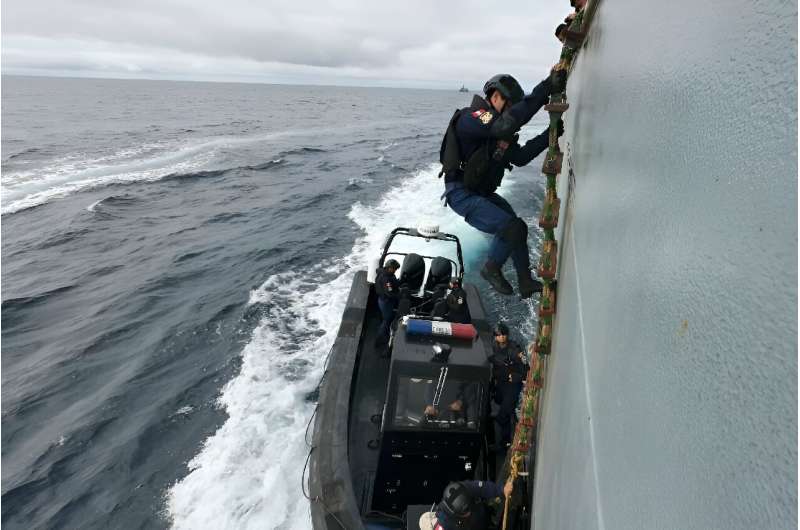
(413, 43)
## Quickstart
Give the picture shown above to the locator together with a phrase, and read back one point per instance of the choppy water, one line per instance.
(175, 259)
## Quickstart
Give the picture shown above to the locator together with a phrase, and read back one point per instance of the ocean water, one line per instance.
(175, 260)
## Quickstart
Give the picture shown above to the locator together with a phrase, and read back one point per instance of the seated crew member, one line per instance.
(456, 300)
(508, 372)
(479, 145)
(465, 506)
(387, 290)
(461, 409)
(455, 409)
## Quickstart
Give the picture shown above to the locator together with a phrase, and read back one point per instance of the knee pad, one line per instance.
(516, 233)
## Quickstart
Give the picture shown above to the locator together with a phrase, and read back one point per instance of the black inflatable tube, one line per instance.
(333, 502)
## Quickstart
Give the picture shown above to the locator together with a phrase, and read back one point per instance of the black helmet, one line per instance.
(501, 329)
(456, 501)
(507, 85)
(455, 280)
(391, 264)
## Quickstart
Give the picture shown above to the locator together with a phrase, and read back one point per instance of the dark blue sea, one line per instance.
(175, 260)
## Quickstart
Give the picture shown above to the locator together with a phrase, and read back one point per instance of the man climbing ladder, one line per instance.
(479, 145)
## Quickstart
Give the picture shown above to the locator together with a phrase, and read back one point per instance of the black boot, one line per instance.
(527, 285)
(494, 275)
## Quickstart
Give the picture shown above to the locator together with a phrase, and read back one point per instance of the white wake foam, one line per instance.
(63, 177)
(248, 474)
(78, 172)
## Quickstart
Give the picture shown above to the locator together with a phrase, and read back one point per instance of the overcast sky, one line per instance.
(425, 44)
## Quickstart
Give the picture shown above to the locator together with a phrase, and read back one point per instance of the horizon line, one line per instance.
(168, 78)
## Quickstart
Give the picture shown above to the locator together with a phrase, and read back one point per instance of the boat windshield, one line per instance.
(438, 402)
(403, 244)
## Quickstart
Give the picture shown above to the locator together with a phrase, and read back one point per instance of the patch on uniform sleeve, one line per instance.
(484, 115)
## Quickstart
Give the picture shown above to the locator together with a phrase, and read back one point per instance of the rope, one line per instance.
(303, 476)
(312, 447)
(548, 220)
(317, 499)
(311, 419)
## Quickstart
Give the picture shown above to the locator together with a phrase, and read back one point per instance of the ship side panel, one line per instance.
(671, 398)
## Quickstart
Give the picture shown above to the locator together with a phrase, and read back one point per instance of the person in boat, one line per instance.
(465, 505)
(509, 370)
(387, 291)
(455, 412)
(456, 300)
(481, 142)
(460, 408)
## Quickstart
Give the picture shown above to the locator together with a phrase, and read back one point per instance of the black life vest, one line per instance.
(450, 151)
(386, 284)
(481, 173)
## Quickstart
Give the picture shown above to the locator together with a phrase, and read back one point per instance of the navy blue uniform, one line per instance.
(474, 129)
(479, 490)
(509, 371)
(387, 288)
(457, 306)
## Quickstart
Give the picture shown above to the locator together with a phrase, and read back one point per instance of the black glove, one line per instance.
(560, 127)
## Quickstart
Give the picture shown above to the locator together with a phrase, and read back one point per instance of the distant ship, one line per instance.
(463, 89)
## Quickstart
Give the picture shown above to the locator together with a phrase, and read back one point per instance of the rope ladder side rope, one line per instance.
(539, 348)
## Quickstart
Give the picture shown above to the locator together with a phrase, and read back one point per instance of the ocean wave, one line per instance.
(248, 474)
(188, 256)
(112, 201)
(22, 192)
(62, 238)
(24, 152)
(302, 151)
(11, 304)
(316, 200)
(266, 165)
(356, 183)
(225, 217)
(77, 172)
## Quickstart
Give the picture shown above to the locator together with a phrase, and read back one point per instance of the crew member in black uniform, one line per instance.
(464, 506)
(481, 142)
(456, 300)
(387, 290)
(508, 371)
